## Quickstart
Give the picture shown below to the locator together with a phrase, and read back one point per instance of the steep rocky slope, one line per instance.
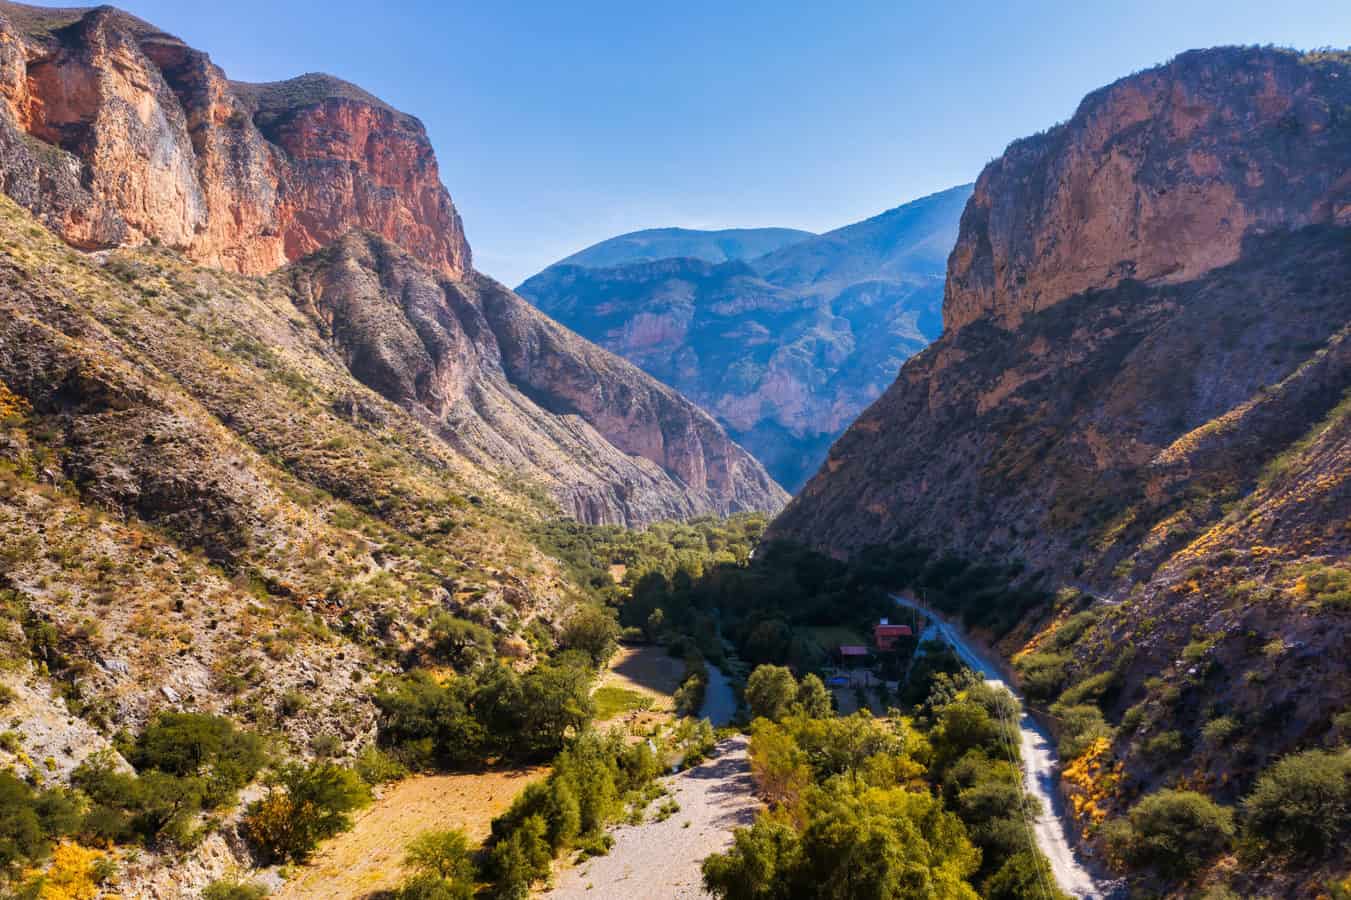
(512, 390)
(668, 243)
(115, 133)
(1141, 392)
(785, 348)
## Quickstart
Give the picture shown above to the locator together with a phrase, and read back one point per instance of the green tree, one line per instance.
(1026, 874)
(304, 805)
(770, 691)
(1177, 832)
(813, 698)
(761, 864)
(779, 765)
(1302, 804)
(202, 746)
(30, 820)
(592, 631)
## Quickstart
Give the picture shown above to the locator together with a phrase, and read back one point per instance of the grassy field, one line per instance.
(613, 701)
(639, 685)
(369, 858)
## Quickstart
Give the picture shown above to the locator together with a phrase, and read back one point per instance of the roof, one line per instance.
(853, 650)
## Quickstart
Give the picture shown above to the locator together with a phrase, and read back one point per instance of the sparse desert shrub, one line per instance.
(1218, 730)
(230, 889)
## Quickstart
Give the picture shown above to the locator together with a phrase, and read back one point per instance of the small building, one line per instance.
(885, 634)
(851, 654)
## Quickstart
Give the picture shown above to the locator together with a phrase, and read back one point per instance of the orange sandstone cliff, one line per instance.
(115, 133)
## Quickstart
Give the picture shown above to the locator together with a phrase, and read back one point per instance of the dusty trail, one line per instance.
(1040, 766)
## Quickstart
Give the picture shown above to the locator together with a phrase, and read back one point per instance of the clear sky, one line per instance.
(562, 122)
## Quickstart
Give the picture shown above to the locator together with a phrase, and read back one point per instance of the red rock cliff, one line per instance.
(1157, 177)
(115, 133)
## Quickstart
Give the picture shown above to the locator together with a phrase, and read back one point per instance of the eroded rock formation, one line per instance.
(115, 133)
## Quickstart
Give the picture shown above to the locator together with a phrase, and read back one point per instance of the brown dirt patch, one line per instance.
(369, 857)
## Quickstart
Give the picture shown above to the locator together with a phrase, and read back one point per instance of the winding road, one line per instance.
(1040, 765)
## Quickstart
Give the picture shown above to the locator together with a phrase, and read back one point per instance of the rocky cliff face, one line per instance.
(511, 388)
(1158, 178)
(784, 348)
(115, 133)
(1141, 395)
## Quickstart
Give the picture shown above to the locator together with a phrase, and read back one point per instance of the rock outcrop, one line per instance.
(1158, 178)
(1097, 312)
(114, 133)
(784, 348)
(509, 387)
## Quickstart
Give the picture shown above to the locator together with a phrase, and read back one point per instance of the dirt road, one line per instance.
(1040, 769)
(661, 860)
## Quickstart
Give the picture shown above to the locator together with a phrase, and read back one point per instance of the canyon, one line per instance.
(785, 344)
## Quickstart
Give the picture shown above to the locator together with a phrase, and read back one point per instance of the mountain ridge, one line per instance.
(785, 348)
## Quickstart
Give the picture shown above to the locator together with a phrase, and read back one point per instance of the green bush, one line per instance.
(442, 863)
(1302, 804)
(201, 746)
(1177, 832)
(304, 805)
(31, 820)
(234, 890)
(1080, 726)
(1163, 746)
(1043, 675)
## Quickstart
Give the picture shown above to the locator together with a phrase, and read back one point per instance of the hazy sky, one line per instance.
(558, 124)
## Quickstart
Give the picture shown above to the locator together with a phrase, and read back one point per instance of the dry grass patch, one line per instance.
(369, 858)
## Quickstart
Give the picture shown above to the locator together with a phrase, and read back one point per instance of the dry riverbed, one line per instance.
(661, 860)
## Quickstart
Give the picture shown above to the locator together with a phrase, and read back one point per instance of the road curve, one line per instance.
(1040, 765)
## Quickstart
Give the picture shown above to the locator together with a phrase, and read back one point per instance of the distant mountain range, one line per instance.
(785, 347)
(666, 243)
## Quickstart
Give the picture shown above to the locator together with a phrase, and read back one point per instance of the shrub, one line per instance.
(1302, 804)
(1080, 726)
(1177, 832)
(304, 805)
(1043, 675)
(443, 867)
(229, 889)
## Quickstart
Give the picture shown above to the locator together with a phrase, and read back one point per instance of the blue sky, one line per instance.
(558, 124)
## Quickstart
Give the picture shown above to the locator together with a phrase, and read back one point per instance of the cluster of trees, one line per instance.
(897, 807)
(186, 763)
(595, 780)
(491, 712)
